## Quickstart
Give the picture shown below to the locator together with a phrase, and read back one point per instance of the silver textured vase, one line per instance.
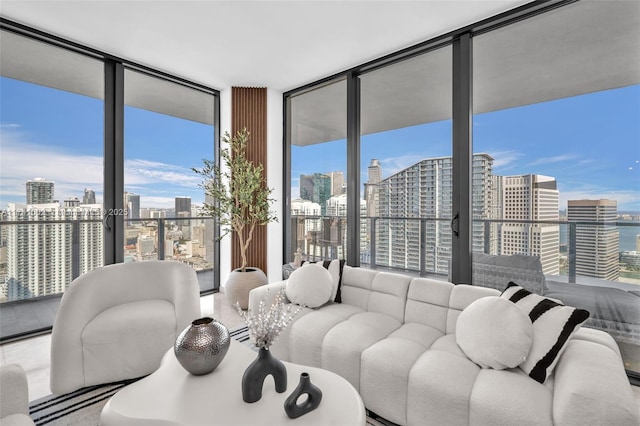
(202, 346)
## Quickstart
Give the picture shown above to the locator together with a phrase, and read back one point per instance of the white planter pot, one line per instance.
(241, 283)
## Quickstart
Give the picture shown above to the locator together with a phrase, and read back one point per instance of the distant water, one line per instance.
(627, 236)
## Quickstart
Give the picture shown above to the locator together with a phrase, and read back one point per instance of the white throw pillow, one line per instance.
(493, 334)
(310, 286)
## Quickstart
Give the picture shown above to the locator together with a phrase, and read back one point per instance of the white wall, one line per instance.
(225, 243)
(275, 165)
(274, 168)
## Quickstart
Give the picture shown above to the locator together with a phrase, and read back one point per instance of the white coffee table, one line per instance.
(171, 396)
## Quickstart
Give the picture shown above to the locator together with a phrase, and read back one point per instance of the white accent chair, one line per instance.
(14, 396)
(116, 322)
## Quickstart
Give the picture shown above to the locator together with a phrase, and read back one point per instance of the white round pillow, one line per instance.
(494, 334)
(310, 286)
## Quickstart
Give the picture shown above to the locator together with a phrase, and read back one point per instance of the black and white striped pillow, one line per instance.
(553, 326)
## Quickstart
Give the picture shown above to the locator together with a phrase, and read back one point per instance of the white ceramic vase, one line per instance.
(239, 284)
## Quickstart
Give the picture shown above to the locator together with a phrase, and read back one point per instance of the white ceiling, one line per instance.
(275, 44)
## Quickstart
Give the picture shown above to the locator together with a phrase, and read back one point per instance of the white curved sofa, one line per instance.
(116, 322)
(393, 338)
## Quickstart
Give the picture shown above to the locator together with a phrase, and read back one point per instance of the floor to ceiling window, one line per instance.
(552, 159)
(406, 164)
(51, 139)
(168, 129)
(318, 210)
(556, 102)
(61, 106)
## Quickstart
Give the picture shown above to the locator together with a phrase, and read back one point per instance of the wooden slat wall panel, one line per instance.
(249, 109)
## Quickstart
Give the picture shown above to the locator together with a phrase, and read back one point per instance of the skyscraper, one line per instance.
(89, 196)
(597, 242)
(183, 209)
(423, 190)
(132, 204)
(316, 188)
(40, 255)
(39, 191)
(371, 189)
(531, 198)
(337, 183)
(182, 204)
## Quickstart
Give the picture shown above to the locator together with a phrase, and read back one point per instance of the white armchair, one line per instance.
(14, 396)
(116, 322)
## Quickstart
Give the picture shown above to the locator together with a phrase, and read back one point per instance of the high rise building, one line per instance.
(531, 198)
(71, 202)
(334, 240)
(597, 242)
(89, 196)
(306, 226)
(41, 254)
(423, 190)
(337, 183)
(183, 204)
(183, 209)
(316, 188)
(39, 191)
(132, 204)
(371, 189)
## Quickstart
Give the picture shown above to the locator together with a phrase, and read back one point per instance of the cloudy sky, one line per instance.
(58, 136)
(589, 143)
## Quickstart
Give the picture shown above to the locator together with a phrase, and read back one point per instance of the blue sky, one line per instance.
(58, 136)
(589, 143)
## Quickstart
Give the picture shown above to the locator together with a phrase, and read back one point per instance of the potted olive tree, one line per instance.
(240, 203)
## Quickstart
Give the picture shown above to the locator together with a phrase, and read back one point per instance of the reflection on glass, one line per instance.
(50, 168)
(406, 164)
(561, 132)
(319, 173)
(168, 130)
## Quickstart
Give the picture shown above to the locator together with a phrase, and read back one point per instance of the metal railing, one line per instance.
(62, 247)
(312, 231)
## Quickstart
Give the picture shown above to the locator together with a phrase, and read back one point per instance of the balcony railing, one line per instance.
(40, 258)
(423, 245)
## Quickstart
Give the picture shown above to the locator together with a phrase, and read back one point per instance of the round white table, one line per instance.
(172, 396)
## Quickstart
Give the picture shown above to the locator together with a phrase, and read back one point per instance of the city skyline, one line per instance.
(589, 143)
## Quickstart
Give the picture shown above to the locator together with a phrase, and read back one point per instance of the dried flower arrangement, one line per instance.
(266, 324)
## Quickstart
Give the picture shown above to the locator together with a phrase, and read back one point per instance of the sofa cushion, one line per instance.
(383, 384)
(343, 344)
(356, 286)
(439, 388)
(494, 333)
(428, 303)
(510, 397)
(306, 337)
(389, 294)
(309, 286)
(553, 325)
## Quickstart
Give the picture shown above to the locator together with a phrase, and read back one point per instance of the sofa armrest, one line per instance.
(14, 390)
(267, 293)
(590, 384)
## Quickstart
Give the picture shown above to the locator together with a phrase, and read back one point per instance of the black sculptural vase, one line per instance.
(258, 370)
(314, 396)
